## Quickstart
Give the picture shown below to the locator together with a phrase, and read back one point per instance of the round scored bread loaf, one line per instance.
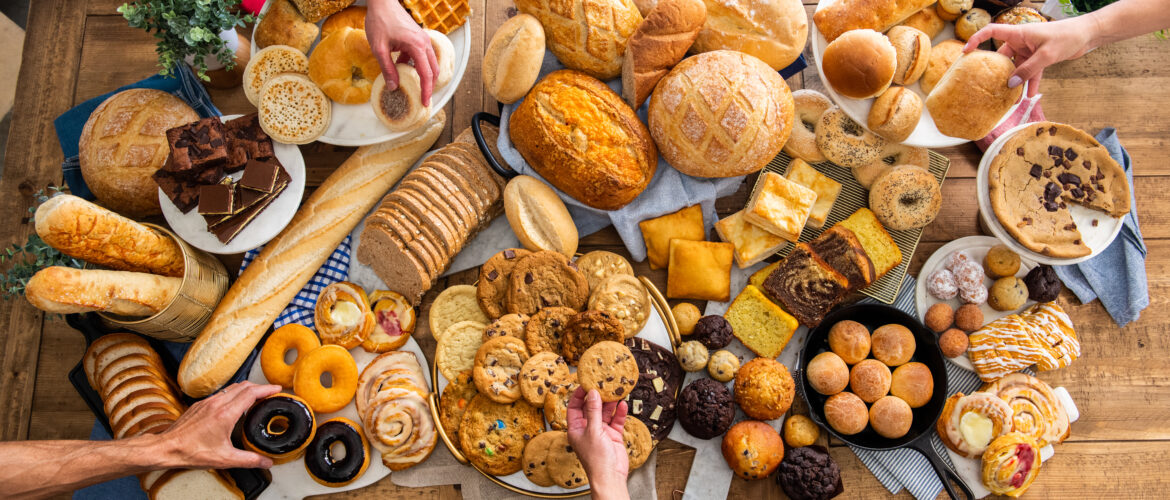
(775, 31)
(973, 95)
(859, 64)
(511, 63)
(583, 139)
(736, 135)
(586, 35)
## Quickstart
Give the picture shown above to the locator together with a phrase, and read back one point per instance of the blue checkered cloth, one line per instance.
(300, 310)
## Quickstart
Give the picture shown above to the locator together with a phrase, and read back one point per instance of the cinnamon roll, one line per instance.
(1036, 410)
(399, 424)
(1010, 464)
(343, 315)
(968, 424)
(393, 369)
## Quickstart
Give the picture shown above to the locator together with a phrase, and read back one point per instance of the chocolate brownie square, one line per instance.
(196, 147)
(246, 141)
(184, 195)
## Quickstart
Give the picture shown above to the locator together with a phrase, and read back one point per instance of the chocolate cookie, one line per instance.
(543, 374)
(713, 331)
(588, 328)
(494, 434)
(454, 401)
(1043, 283)
(545, 279)
(809, 473)
(545, 328)
(492, 290)
(510, 325)
(608, 367)
(705, 408)
(652, 400)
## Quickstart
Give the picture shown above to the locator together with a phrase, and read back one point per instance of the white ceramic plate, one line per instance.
(192, 227)
(356, 124)
(926, 134)
(291, 481)
(976, 248)
(1097, 238)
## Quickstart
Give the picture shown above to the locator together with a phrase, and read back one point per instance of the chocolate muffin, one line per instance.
(809, 473)
(713, 331)
(1043, 284)
(652, 399)
(705, 409)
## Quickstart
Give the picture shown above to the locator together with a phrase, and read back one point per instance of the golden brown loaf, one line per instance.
(579, 135)
(283, 24)
(721, 114)
(775, 31)
(878, 15)
(511, 63)
(539, 217)
(91, 233)
(316, 10)
(290, 260)
(660, 42)
(124, 142)
(586, 35)
(65, 290)
(942, 56)
(859, 64)
(973, 95)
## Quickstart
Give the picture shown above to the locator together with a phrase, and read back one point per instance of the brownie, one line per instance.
(196, 147)
(713, 331)
(809, 473)
(185, 195)
(705, 409)
(246, 141)
(652, 399)
(1043, 284)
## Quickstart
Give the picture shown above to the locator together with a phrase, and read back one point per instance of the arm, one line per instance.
(390, 29)
(201, 438)
(595, 431)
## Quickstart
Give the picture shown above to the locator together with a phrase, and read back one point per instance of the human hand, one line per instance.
(390, 29)
(595, 431)
(1034, 47)
(202, 437)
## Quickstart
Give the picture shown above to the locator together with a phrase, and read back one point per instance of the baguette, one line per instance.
(660, 42)
(65, 290)
(287, 263)
(877, 15)
(85, 231)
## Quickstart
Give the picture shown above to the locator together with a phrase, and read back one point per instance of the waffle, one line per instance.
(443, 16)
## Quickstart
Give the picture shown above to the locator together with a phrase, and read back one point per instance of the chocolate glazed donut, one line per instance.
(279, 427)
(319, 460)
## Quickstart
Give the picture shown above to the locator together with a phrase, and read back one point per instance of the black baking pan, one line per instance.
(250, 481)
(477, 131)
(925, 417)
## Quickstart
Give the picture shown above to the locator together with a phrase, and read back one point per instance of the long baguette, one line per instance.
(65, 290)
(83, 230)
(288, 262)
(878, 15)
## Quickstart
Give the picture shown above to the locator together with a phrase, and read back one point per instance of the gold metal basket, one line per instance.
(204, 282)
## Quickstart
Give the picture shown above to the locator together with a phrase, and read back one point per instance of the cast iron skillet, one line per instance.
(477, 130)
(928, 353)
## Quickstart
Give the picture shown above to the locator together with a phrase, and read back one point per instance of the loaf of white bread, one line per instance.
(287, 263)
(659, 43)
(878, 15)
(65, 290)
(973, 95)
(86, 231)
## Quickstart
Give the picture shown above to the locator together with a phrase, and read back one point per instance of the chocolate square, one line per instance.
(229, 228)
(216, 199)
(260, 176)
(197, 146)
(246, 141)
(184, 195)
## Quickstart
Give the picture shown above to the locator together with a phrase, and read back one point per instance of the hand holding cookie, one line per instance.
(595, 432)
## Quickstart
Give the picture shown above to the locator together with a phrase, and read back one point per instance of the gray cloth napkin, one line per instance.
(1117, 275)
(667, 192)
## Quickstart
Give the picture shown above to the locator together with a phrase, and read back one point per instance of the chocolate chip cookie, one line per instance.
(456, 396)
(543, 374)
(511, 325)
(624, 298)
(652, 400)
(608, 367)
(713, 331)
(493, 435)
(638, 442)
(545, 279)
(588, 328)
(536, 458)
(564, 466)
(556, 406)
(497, 368)
(705, 408)
(492, 289)
(545, 329)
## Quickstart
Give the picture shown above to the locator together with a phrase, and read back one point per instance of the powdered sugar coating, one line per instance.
(968, 275)
(973, 295)
(954, 259)
(942, 285)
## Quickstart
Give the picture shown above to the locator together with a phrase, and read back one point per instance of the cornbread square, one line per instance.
(760, 324)
(757, 278)
(685, 224)
(752, 244)
(878, 244)
(699, 270)
(780, 206)
(827, 190)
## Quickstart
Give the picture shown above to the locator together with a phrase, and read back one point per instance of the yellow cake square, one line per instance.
(780, 206)
(752, 244)
(882, 250)
(685, 224)
(827, 190)
(699, 270)
(759, 323)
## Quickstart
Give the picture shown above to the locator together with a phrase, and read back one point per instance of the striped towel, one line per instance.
(300, 310)
(906, 468)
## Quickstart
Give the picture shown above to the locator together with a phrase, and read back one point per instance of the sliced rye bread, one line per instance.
(398, 268)
(491, 135)
(382, 221)
(425, 236)
(459, 157)
(452, 198)
(458, 217)
(481, 187)
(463, 183)
(475, 156)
(429, 216)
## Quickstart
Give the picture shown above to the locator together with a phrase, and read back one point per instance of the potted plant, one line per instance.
(201, 33)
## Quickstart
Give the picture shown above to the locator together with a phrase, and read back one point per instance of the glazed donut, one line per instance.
(344, 67)
(906, 197)
(319, 460)
(810, 105)
(339, 364)
(279, 427)
(343, 316)
(445, 55)
(290, 337)
(845, 142)
(401, 109)
(892, 154)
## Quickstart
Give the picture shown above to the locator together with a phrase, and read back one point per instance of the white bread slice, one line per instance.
(293, 109)
(130, 386)
(190, 484)
(89, 361)
(121, 429)
(153, 407)
(129, 373)
(116, 352)
(147, 480)
(116, 367)
(269, 62)
(139, 401)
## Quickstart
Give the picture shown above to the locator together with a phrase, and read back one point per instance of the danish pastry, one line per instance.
(968, 424)
(1036, 411)
(1010, 464)
(343, 315)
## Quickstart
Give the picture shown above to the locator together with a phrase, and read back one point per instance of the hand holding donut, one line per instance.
(201, 438)
(390, 29)
(595, 431)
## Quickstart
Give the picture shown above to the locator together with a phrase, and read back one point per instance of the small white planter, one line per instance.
(231, 38)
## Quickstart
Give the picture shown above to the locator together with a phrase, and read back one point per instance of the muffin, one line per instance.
(685, 316)
(953, 343)
(891, 417)
(693, 355)
(713, 331)
(969, 318)
(870, 380)
(893, 344)
(1007, 294)
(850, 340)
(1001, 261)
(705, 409)
(723, 365)
(809, 473)
(913, 383)
(827, 373)
(846, 413)
(940, 317)
(764, 389)
(752, 449)
(800, 430)
(1043, 284)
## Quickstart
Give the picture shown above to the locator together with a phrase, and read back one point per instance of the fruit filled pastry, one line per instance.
(1010, 464)
(970, 423)
(394, 322)
(343, 315)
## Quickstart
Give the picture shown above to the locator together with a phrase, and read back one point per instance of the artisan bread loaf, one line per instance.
(859, 64)
(775, 31)
(660, 42)
(283, 24)
(579, 135)
(721, 114)
(65, 290)
(878, 15)
(511, 63)
(288, 261)
(973, 95)
(942, 56)
(586, 35)
(91, 233)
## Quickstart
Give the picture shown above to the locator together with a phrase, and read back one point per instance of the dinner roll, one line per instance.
(827, 373)
(859, 64)
(511, 63)
(891, 417)
(775, 31)
(353, 16)
(850, 340)
(913, 49)
(973, 95)
(846, 413)
(926, 21)
(941, 57)
(893, 344)
(539, 217)
(894, 114)
(869, 380)
(913, 383)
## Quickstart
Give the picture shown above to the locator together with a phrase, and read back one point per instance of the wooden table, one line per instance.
(78, 49)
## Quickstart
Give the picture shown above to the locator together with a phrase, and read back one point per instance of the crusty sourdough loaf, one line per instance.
(878, 15)
(973, 95)
(581, 138)
(586, 35)
(91, 233)
(775, 31)
(660, 42)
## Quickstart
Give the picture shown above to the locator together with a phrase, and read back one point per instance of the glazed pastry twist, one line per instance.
(968, 424)
(1010, 464)
(1054, 332)
(1036, 410)
(399, 424)
(343, 315)
(1043, 336)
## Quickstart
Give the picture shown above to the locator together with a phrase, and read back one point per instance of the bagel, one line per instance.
(344, 67)
(445, 55)
(845, 142)
(906, 197)
(809, 106)
(401, 109)
(339, 364)
(892, 154)
(353, 16)
(290, 337)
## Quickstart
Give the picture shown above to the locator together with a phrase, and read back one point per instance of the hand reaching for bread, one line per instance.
(390, 29)
(1033, 47)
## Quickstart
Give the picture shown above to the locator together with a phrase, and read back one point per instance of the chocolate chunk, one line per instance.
(1051, 191)
(1020, 151)
(509, 254)
(1052, 130)
(528, 278)
(1067, 178)
(1077, 192)
(1076, 242)
(491, 276)
(1036, 171)
(1050, 206)
(1039, 131)
(1055, 152)
(1094, 222)
(1070, 154)
(1047, 174)
(1070, 227)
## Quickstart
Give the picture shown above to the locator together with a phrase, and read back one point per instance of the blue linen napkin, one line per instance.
(1097, 278)
(186, 87)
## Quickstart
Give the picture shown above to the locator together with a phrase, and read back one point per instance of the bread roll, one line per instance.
(283, 24)
(511, 63)
(316, 10)
(775, 31)
(568, 110)
(878, 15)
(586, 35)
(287, 262)
(124, 142)
(65, 290)
(942, 56)
(91, 233)
(859, 64)
(912, 47)
(895, 114)
(539, 217)
(721, 114)
(973, 95)
(660, 42)
(926, 21)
